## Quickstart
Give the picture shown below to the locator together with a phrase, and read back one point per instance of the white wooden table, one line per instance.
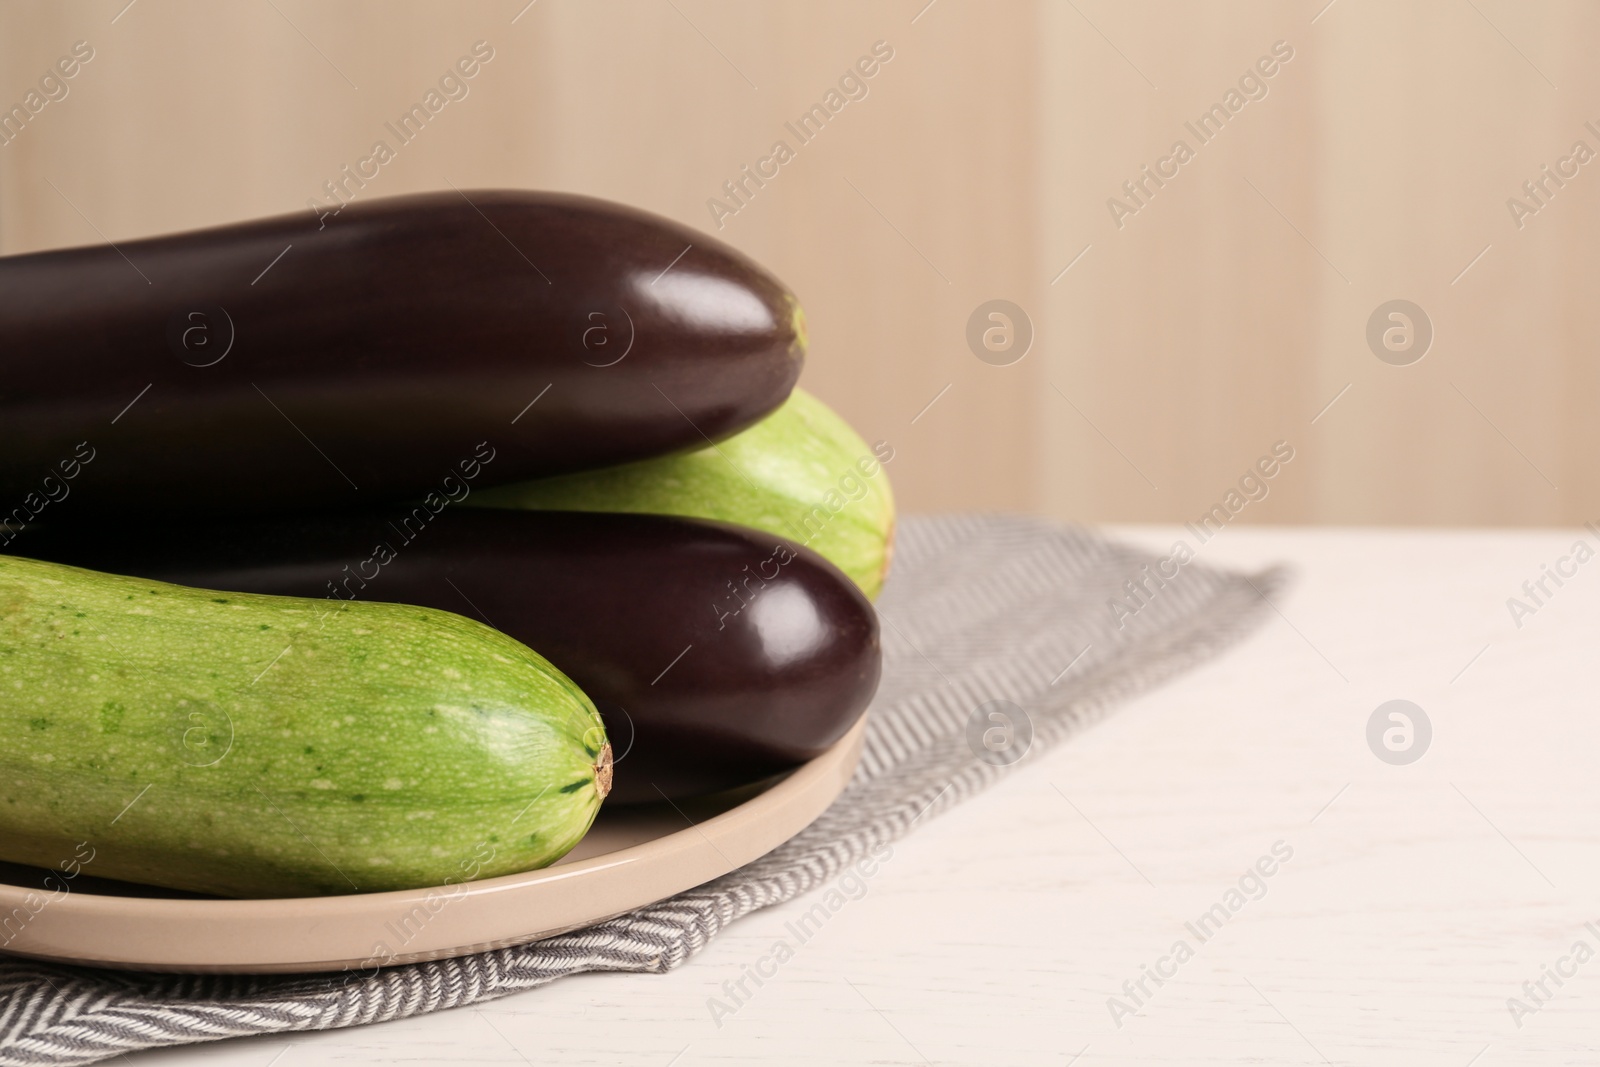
(1418, 899)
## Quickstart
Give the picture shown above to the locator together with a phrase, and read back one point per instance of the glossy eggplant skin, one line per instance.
(298, 363)
(716, 655)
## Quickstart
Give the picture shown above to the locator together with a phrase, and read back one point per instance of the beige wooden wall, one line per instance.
(1216, 321)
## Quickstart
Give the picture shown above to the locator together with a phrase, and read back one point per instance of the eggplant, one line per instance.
(717, 655)
(306, 362)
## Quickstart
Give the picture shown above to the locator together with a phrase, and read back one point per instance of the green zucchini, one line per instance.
(262, 746)
(801, 473)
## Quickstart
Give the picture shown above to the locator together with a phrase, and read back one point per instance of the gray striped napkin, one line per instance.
(980, 609)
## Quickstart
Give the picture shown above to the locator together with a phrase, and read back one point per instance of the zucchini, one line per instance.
(801, 473)
(259, 746)
(405, 347)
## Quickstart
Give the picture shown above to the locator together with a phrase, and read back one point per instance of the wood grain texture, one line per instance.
(1222, 317)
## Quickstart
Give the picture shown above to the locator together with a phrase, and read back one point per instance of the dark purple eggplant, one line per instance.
(717, 655)
(298, 363)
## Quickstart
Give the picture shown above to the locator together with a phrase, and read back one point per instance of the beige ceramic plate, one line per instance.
(632, 857)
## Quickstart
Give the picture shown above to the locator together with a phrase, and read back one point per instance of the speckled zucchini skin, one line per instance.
(258, 746)
(801, 473)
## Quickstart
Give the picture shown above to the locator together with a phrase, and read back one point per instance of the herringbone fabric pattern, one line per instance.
(979, 608)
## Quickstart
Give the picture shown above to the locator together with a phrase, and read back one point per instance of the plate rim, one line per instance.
(727, 839)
